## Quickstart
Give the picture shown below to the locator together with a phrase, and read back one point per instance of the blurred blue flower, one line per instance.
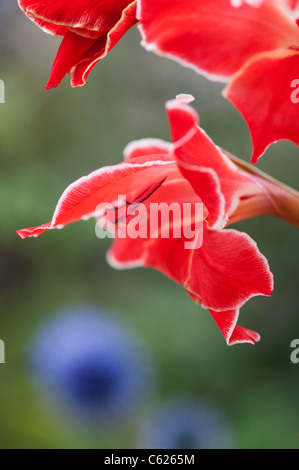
(186, 423)
(90, 362)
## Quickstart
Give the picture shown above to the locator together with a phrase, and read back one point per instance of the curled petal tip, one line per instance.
(185, 98)
(234, 334)
(33, 231)
(50, 86)
(243, 335)
(19, 232)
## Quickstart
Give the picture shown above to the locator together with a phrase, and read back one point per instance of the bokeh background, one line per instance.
(49, 139)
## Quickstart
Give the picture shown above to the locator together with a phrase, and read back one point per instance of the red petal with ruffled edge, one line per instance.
(263, 93)
(216, 180)
(90, 30)
(99, 50)
(233, 334)
(50, 28)
(91, 15)
(227, 271)
(148, 147)
(80, 199)
(212, 36)
(222, 275)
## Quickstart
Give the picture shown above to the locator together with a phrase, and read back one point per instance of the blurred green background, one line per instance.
(49, 139)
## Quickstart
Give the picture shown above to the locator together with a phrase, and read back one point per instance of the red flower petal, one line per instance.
(94, 15)
(148, 147)
(216, 180)
(126, 253)
(212, 36)
(221, 275)
(50, 28)
(90, 29)
(99, 50)
(34, 231)
(227, 271)
(70, 52)
(80, 199)
(262, 91)
(232, 333)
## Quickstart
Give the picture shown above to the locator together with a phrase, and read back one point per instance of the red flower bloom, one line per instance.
(254, 48)
(227, 269)
(89, 28)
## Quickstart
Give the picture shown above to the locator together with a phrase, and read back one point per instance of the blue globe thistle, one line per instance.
(186, 423)
(90, 363)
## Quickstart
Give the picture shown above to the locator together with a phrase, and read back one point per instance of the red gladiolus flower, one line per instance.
(89, 28)
(223, 272)
(251, 44)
